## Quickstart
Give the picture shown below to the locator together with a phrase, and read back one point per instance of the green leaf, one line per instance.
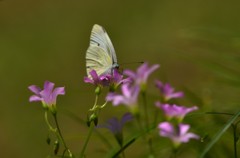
(219, 134)
(114, 153)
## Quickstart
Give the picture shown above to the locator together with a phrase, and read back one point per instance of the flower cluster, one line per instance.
(131, 90)
(111, 80)
(175, 130)
(134, 84)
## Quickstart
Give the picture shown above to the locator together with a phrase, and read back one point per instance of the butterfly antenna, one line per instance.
(135, 62)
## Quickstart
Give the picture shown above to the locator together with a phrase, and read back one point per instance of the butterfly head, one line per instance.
(115, 66)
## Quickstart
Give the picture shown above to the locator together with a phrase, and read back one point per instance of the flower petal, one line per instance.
(149, 71)
(166, 129)
(130, 74)
(117, 77)
(58, 91)
(183, 128)
(126, 81)
(114, 125)
(88, 80)
(35, 89)
(48, 86)
(105, 80)
(142, 68)
(126, 90)
(135, 92)
(192, 109)
(159, 85)
(175, 95)
(126, 117)
(94, 75)
(115, 98)
(34, 98)
(188, 136)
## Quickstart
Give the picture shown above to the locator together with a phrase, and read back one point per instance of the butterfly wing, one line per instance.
(100, 55)
(97, 59)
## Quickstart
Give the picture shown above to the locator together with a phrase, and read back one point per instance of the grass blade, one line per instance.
(219, 134)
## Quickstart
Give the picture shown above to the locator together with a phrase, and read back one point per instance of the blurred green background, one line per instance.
(197, 44)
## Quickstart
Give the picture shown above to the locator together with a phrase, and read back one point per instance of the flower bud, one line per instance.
(56, 147)
(48, 140)
(94, 118)
(98, 90)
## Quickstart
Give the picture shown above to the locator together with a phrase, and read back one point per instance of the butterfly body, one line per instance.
(100, 55)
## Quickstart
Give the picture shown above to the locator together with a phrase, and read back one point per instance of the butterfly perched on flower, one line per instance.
(100, 55)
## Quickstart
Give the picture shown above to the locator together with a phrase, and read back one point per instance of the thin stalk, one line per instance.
(123, 154)
(61, 137)
(87, 140)
(104, 105)
(174, 152)
(219, 113)
(149, 141)
(156, 117)
(81, 121)
(139, 122)
(47, 122)
(95, 104)
(235, 140)
(145, 108)
(96, 100)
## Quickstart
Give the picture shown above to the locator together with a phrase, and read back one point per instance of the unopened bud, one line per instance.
(98, 90)
(56, 147)
(94, 118)
(48, 140)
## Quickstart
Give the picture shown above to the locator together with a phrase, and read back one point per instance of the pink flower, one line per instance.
(168, 91)
(176, 111)
(129, 96)
(140, 77)
(178, 135)
(116, 79)
(48, 95)
(112, 80)
(96, 80)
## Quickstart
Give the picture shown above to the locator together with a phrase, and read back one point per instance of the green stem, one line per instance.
(139, 122)
(104, 105)
(81, 121)
(235, 140)
(87, 140)
(145, 108)
(174, 153)
(47, 122)
(61, 137)
(156, 117)
(95, 104)
(219, 113)
(132, 140)
(123, 154)
(149, 140)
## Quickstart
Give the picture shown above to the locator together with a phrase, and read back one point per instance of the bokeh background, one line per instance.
(197, 44)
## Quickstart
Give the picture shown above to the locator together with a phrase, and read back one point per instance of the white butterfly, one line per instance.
(100, 55)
